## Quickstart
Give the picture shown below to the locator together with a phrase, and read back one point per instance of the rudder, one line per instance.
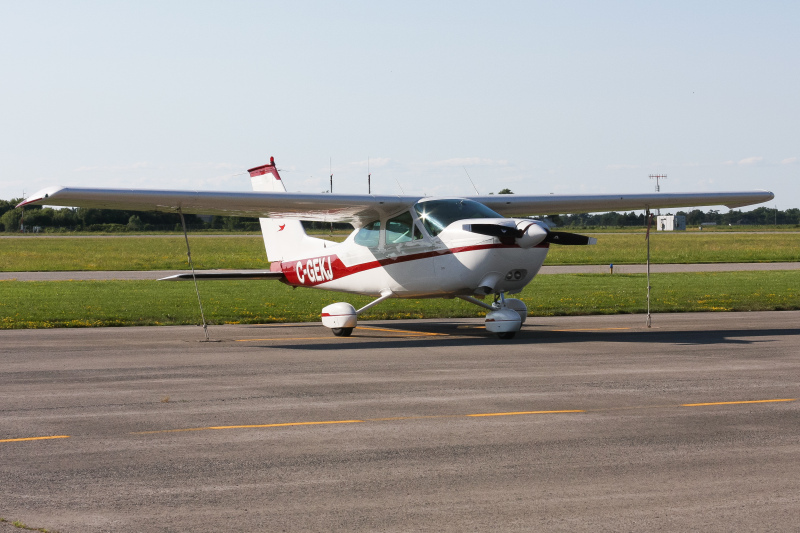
(283, 238)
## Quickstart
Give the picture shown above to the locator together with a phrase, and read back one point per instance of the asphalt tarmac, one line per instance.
(577, 424)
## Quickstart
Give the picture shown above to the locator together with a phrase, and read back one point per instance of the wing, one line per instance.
(355, 209)
(508, 205)
(359, 209)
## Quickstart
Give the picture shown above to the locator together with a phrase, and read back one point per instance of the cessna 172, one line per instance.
(402, 246)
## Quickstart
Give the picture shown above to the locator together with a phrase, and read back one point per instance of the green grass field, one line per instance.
(242, 252)
(130, 303)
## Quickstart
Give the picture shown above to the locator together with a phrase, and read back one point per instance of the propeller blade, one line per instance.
(506, 234)
(570, 239)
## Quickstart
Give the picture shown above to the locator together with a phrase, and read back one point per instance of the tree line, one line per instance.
(106, 220)
(760, 216)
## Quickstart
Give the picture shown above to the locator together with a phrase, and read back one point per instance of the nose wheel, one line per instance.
(342, 332)
(506, 317)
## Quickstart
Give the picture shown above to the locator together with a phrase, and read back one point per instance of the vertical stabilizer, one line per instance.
(283, 238)
(266, 178)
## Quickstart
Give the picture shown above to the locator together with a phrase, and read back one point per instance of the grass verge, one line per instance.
(52, 304)
(19, 525)
(242, 252)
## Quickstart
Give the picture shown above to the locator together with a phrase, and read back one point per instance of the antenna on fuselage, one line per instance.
(470, 180)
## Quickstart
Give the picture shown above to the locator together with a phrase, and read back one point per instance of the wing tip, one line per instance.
(38, 197)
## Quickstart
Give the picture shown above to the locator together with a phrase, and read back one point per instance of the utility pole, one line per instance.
(22, 217)
(649, 218)
(369, 179)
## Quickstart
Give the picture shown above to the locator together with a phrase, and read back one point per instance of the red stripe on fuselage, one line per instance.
(317, 270)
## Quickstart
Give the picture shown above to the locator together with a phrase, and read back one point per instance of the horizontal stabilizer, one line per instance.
(225, 275)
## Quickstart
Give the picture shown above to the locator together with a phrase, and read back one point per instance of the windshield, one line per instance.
(438, 214)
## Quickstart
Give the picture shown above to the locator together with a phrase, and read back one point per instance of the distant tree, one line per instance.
(10, 220)
(65, 218)
(506, 191)
(695, 217)
(135, 223)
(6, 206)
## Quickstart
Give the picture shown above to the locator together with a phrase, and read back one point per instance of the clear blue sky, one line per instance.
(539, 97)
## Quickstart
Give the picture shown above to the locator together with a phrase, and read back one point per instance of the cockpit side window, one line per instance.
(369, 235)
(438, 214)
(402, 229)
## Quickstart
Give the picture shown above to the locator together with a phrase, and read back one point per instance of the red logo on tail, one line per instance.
(280, 228)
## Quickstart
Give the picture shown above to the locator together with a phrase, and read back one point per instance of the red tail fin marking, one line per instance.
(264, 169)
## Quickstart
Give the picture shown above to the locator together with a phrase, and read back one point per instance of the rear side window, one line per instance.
(369, 235)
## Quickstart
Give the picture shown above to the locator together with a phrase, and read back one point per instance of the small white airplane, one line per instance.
(402, 246)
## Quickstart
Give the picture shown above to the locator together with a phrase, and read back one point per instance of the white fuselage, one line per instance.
(456, 262)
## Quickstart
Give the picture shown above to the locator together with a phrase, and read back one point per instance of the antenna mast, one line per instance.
(470, 180)
(658, 187)
(330, 168)
(369, 178)
(657, 177)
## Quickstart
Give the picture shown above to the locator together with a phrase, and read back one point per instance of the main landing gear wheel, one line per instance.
(507, 334)
(342, 332)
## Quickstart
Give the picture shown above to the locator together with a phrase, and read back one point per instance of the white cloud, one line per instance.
(789, 161)
(372, 162)
(469, 161)
(751, 160)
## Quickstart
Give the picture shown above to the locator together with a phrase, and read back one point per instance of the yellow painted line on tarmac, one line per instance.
(285, 424)
(404, 332)
(401, 333)
(276, 339)
(592, 329)
(741, 402)
(426, 417)
(36, 438)
(530, 413)
(251, 426)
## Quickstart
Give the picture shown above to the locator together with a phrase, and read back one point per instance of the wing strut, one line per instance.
(196, 289)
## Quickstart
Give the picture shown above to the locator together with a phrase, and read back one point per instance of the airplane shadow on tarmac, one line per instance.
(410, 335)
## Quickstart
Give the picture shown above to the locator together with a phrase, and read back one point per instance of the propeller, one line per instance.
(506, 234)
(533, 235)
(569, 239)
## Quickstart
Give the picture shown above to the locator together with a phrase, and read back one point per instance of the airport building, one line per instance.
(671, 223)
